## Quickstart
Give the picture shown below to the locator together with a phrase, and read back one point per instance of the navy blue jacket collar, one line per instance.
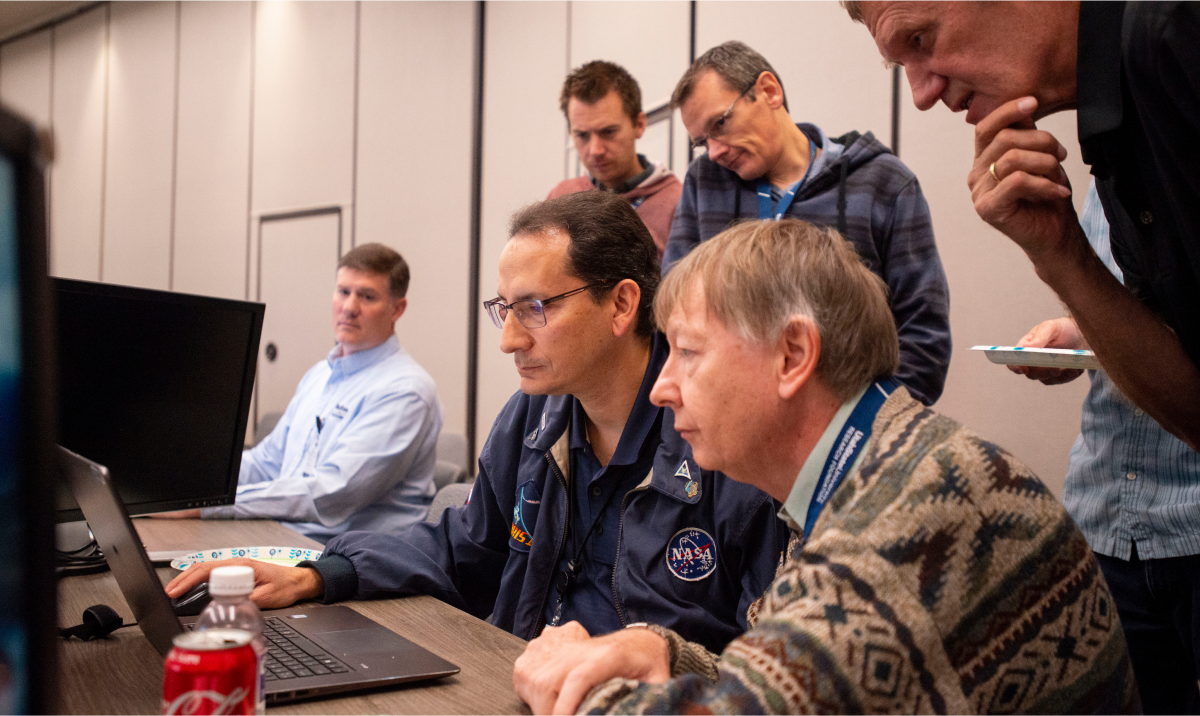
(559, 408)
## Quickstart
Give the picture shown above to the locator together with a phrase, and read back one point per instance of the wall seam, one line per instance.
(175, 146)
(567, 124)
(250, 160)
(50, 164)
(354, 149)
(475, 245)
(104, 135)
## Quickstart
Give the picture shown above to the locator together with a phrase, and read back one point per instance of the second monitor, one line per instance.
(157, 386)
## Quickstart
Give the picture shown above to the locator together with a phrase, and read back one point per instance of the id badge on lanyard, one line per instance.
(785, 201)
(849, 443)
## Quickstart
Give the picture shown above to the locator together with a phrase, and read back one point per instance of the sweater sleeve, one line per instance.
(918, 293)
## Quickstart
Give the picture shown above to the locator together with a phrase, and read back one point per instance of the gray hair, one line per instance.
(735, 62)
(854, 8)
(757, 275)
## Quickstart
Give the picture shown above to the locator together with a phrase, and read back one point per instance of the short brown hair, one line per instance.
(609, 243)
(377, 258)
(592, 82)
(735, 63)
(758, 274)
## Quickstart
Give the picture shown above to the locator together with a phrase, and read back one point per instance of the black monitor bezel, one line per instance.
(36, 396)
(256, 312)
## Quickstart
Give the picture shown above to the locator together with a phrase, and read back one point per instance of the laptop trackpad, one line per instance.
(364, 641)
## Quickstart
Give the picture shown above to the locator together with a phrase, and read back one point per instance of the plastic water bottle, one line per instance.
(231, 608)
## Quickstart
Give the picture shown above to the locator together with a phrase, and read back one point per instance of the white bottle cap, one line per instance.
(231, 581)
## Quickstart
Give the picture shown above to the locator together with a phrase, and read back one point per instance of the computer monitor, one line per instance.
(156, 386)
(28, 471)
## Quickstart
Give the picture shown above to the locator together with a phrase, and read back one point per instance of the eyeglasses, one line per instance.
(719, 126)
(531, 312)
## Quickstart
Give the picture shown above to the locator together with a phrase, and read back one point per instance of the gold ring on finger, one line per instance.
(992, 171)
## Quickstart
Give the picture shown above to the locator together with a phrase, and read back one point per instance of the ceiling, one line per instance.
(17, 16)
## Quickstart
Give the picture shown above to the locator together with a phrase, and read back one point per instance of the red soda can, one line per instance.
(214, 671)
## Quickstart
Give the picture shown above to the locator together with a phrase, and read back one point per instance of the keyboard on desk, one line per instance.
(290, 655)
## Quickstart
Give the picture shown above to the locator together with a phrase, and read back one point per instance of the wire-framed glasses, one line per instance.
(531, 312)
(720, 125)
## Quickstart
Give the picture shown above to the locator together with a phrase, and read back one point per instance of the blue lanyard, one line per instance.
(785, 201)
(855, 434)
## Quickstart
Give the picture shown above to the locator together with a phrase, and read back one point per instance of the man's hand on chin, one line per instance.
(1018, 185)
(561, 666)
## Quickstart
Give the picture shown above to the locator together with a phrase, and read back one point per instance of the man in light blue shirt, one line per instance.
(1134, 490)
(357, 446)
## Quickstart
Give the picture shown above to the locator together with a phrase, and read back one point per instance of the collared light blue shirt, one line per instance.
(795, 508)
(370, 464)
(1129, 480)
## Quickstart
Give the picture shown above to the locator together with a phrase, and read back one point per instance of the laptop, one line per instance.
(311, 652)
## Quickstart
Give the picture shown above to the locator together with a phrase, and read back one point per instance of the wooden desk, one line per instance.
(123, 673)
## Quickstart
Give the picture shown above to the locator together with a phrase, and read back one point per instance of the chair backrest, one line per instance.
(265, 426)
(447, 473)
(452, 495)
(452, 447)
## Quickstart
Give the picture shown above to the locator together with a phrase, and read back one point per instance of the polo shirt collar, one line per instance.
(1098, 71)
(641, 417)
(351, 364)
(795, 508)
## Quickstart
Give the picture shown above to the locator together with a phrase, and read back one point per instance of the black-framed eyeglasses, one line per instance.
(720, 125)
(531, 312)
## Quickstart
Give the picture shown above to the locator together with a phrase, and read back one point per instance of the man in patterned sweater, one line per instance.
(929, 570)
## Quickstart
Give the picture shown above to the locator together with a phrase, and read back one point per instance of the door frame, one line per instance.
(286, 216)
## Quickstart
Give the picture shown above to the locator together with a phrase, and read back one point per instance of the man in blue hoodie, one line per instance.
(761, 165)
(588, 506)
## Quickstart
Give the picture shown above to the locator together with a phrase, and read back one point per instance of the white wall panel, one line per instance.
(414, 173)
(526, 61)
(829, 66)
(213, 153)
(650, 39)
(25, 76)
(303, 105)
(139, 168)
(995, 297)
(76, 184)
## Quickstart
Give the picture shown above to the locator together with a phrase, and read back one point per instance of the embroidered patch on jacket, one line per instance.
(691, 554)
(520, 532)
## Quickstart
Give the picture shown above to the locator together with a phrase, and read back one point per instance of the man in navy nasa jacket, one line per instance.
(588, 506)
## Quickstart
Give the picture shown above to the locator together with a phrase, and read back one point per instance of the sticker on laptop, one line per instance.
(286, 556)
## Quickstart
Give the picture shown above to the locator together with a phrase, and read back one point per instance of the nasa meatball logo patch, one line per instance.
(691, 554)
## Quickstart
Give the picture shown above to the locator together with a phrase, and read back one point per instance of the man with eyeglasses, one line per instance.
(588, 506)
(603, 106)
(761, 165)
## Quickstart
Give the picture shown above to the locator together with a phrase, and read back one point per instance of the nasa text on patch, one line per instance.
(691, 554)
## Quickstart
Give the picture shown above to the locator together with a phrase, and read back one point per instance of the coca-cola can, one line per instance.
(214, 671)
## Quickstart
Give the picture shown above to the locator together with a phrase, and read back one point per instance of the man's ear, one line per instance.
(398, 307)
(799, 351)
(625, 296)
(768, 85)
(639, 127)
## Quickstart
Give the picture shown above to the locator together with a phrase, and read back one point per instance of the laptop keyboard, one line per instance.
(290, 655)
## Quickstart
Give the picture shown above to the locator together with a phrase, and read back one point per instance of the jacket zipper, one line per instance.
(562, 544)
(620, 533)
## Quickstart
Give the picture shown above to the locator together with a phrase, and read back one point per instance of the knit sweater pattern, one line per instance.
(942, 577)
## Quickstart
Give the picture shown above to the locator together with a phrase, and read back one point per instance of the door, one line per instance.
(298, 255)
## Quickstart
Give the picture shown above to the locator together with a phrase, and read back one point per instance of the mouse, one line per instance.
(192, 602)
